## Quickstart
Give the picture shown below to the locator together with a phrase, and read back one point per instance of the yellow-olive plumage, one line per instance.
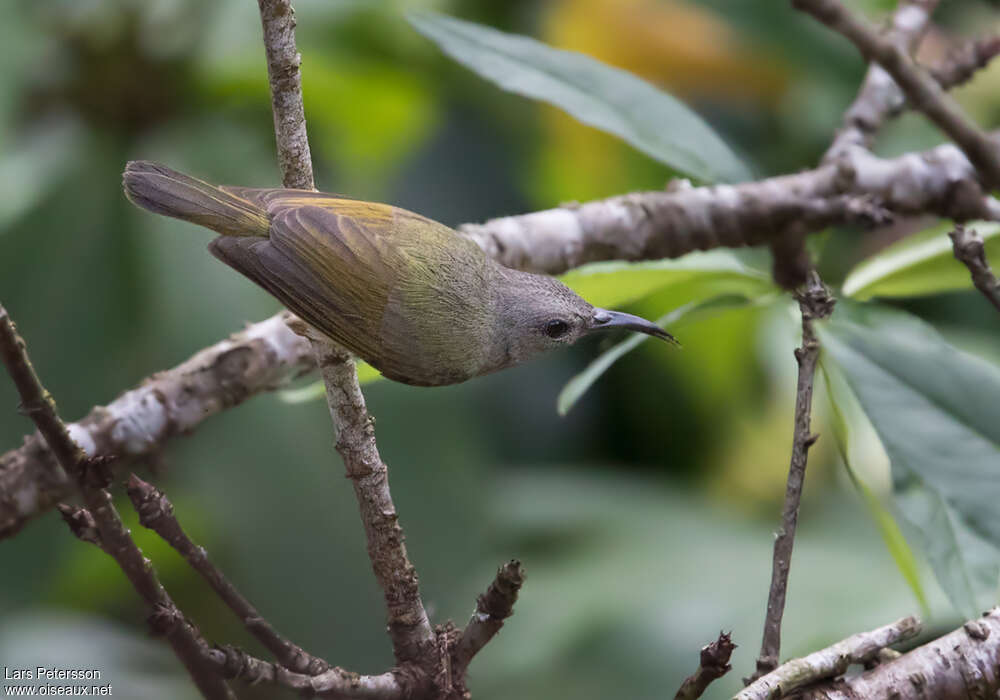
(412, 297)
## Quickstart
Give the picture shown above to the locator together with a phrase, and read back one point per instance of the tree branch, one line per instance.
(858, 187)
(492, 609)
(232, 663)
(283, 61)
(413, 640)
(713, 665)
(964, 60)
(157, 513)
(969, 250)
(922, 91)
(957, 666)
(815, 302)
(263, 357)
(879, 97)
(100, 523)
(832, 661)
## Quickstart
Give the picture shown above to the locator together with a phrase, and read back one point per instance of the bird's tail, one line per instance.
(161, 190)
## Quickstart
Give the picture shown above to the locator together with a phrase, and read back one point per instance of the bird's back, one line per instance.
(405, 293)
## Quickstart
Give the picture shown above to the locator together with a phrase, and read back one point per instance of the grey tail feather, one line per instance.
(159, 189)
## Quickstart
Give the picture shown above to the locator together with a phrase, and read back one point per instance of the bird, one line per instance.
(414, 298)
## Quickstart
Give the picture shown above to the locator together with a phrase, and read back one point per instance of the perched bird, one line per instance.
(413, 298)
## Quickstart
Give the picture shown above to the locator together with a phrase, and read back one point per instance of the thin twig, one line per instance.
(157, 513)
(412, 637)
(922, 91)
(859, 188)
(283, 61)
(492, 608)
(815, 302)
(957, 666)
(713, 665)
(101, 524)
(832, 661)
(879, 97)
(236, 664)
(964, 60)
(263, 357)
(969, 250)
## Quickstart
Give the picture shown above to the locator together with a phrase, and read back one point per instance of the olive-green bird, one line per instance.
(412, 297)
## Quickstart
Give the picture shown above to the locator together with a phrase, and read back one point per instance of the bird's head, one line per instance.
(538, 313)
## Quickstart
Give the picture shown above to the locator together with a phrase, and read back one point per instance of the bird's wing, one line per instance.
(403, 292)
(277, 199)
(334, 270)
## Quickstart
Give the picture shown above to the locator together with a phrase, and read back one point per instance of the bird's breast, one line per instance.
(436, 328)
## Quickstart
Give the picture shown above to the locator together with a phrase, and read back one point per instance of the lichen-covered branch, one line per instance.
(157, 513)
(263, 357)
(832, 661)
(921, 90)
(713, 664)
(969, 250)
(958, 666)
(858, 188)
(815, 303)
(100, 523)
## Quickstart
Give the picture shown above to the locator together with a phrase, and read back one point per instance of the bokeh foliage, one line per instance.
(643, 516)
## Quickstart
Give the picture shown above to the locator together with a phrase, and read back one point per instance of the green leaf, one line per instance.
(698, 282)
(845, 414)
(616, 283)
(964, 564)
(578, 385)
(317, 390)
(918, 265)
(934, 409)
(596, 94)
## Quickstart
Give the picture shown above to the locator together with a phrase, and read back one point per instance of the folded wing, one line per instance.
(333, 270)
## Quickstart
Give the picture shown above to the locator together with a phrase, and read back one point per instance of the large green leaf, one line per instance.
(699, 284)
(965, 564)
(845, 417)
(607, 98)
(616, 283)
(918, 265)
(935, 411)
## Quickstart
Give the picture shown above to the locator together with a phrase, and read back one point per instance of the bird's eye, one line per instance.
(556, 328)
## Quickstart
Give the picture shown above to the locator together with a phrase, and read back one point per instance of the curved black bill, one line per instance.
(607, 320)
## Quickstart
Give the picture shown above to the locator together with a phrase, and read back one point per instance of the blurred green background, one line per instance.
(644, 518)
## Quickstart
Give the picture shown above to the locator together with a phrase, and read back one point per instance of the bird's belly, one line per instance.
(426, 348)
